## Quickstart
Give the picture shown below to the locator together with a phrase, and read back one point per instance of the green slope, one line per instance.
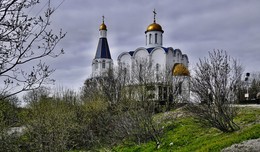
(185, 134)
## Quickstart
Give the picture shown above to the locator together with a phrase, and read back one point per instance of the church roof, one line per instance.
(131, 53)
(103, 49)
(103, 27)
(151, 49)
(154, 27)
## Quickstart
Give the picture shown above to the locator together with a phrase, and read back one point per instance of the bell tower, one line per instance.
(102, 61)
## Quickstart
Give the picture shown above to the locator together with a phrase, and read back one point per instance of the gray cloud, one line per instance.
(195, 27)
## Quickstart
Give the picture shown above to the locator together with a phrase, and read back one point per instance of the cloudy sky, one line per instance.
(195, 27)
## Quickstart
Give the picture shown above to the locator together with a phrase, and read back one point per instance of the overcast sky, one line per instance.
(195, 27)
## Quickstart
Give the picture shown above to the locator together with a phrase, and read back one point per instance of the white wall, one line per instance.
(170, 59)
(97, 68)
(158, 56)
(141, 54)
(153, 44)
(125, 59)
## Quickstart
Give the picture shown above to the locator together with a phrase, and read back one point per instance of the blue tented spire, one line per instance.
(103, 49)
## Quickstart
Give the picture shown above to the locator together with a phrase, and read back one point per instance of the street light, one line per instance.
(247, 83)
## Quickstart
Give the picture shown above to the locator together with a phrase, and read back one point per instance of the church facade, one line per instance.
(165, 68)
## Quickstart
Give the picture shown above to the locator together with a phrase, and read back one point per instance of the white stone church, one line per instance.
(160, 61)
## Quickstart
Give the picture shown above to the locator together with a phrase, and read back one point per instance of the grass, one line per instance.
(185, 134)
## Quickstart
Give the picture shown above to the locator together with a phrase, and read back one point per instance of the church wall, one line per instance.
(158, 56)
(141, 55)
(169, 59)
(101, 66)
(125, 60)
(185, 60)
(177, 56)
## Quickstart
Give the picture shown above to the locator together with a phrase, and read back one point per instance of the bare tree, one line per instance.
(214, 87)
(130, 97)
(24, 40)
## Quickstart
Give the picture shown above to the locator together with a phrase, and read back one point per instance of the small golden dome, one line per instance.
(103, 27)
(154, 27)
(180, 70)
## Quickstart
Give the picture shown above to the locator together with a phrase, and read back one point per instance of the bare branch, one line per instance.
(25, 39)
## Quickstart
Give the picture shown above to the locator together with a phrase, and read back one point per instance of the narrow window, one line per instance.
(150, 38)
(103, 64)
(160, 92)
(161, 38)
(180, 88)
(96, 65)
(157, 67)
(157, 71)
(165, 93)
(156, 38)
(146, 39)
(141, 73)
(125, 71)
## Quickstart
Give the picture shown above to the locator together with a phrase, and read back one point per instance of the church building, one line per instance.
(153, 63)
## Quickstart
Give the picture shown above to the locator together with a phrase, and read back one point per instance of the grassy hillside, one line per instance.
(185, 134)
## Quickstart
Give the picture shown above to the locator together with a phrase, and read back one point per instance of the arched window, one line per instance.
(156, 38)
(103, 64)
(150, 38)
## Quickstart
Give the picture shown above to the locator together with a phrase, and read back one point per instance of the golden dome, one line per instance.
(154, 27)
(180, 70)
(103, 27)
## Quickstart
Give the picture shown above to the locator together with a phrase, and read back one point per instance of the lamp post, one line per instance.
(247, 83)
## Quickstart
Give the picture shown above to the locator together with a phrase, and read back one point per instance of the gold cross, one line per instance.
(103, 18)
(154, 12)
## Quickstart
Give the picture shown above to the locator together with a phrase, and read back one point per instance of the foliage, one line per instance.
(49, 125)
(127, 109)
(9, 117)
(8, 111)
(59, 123)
